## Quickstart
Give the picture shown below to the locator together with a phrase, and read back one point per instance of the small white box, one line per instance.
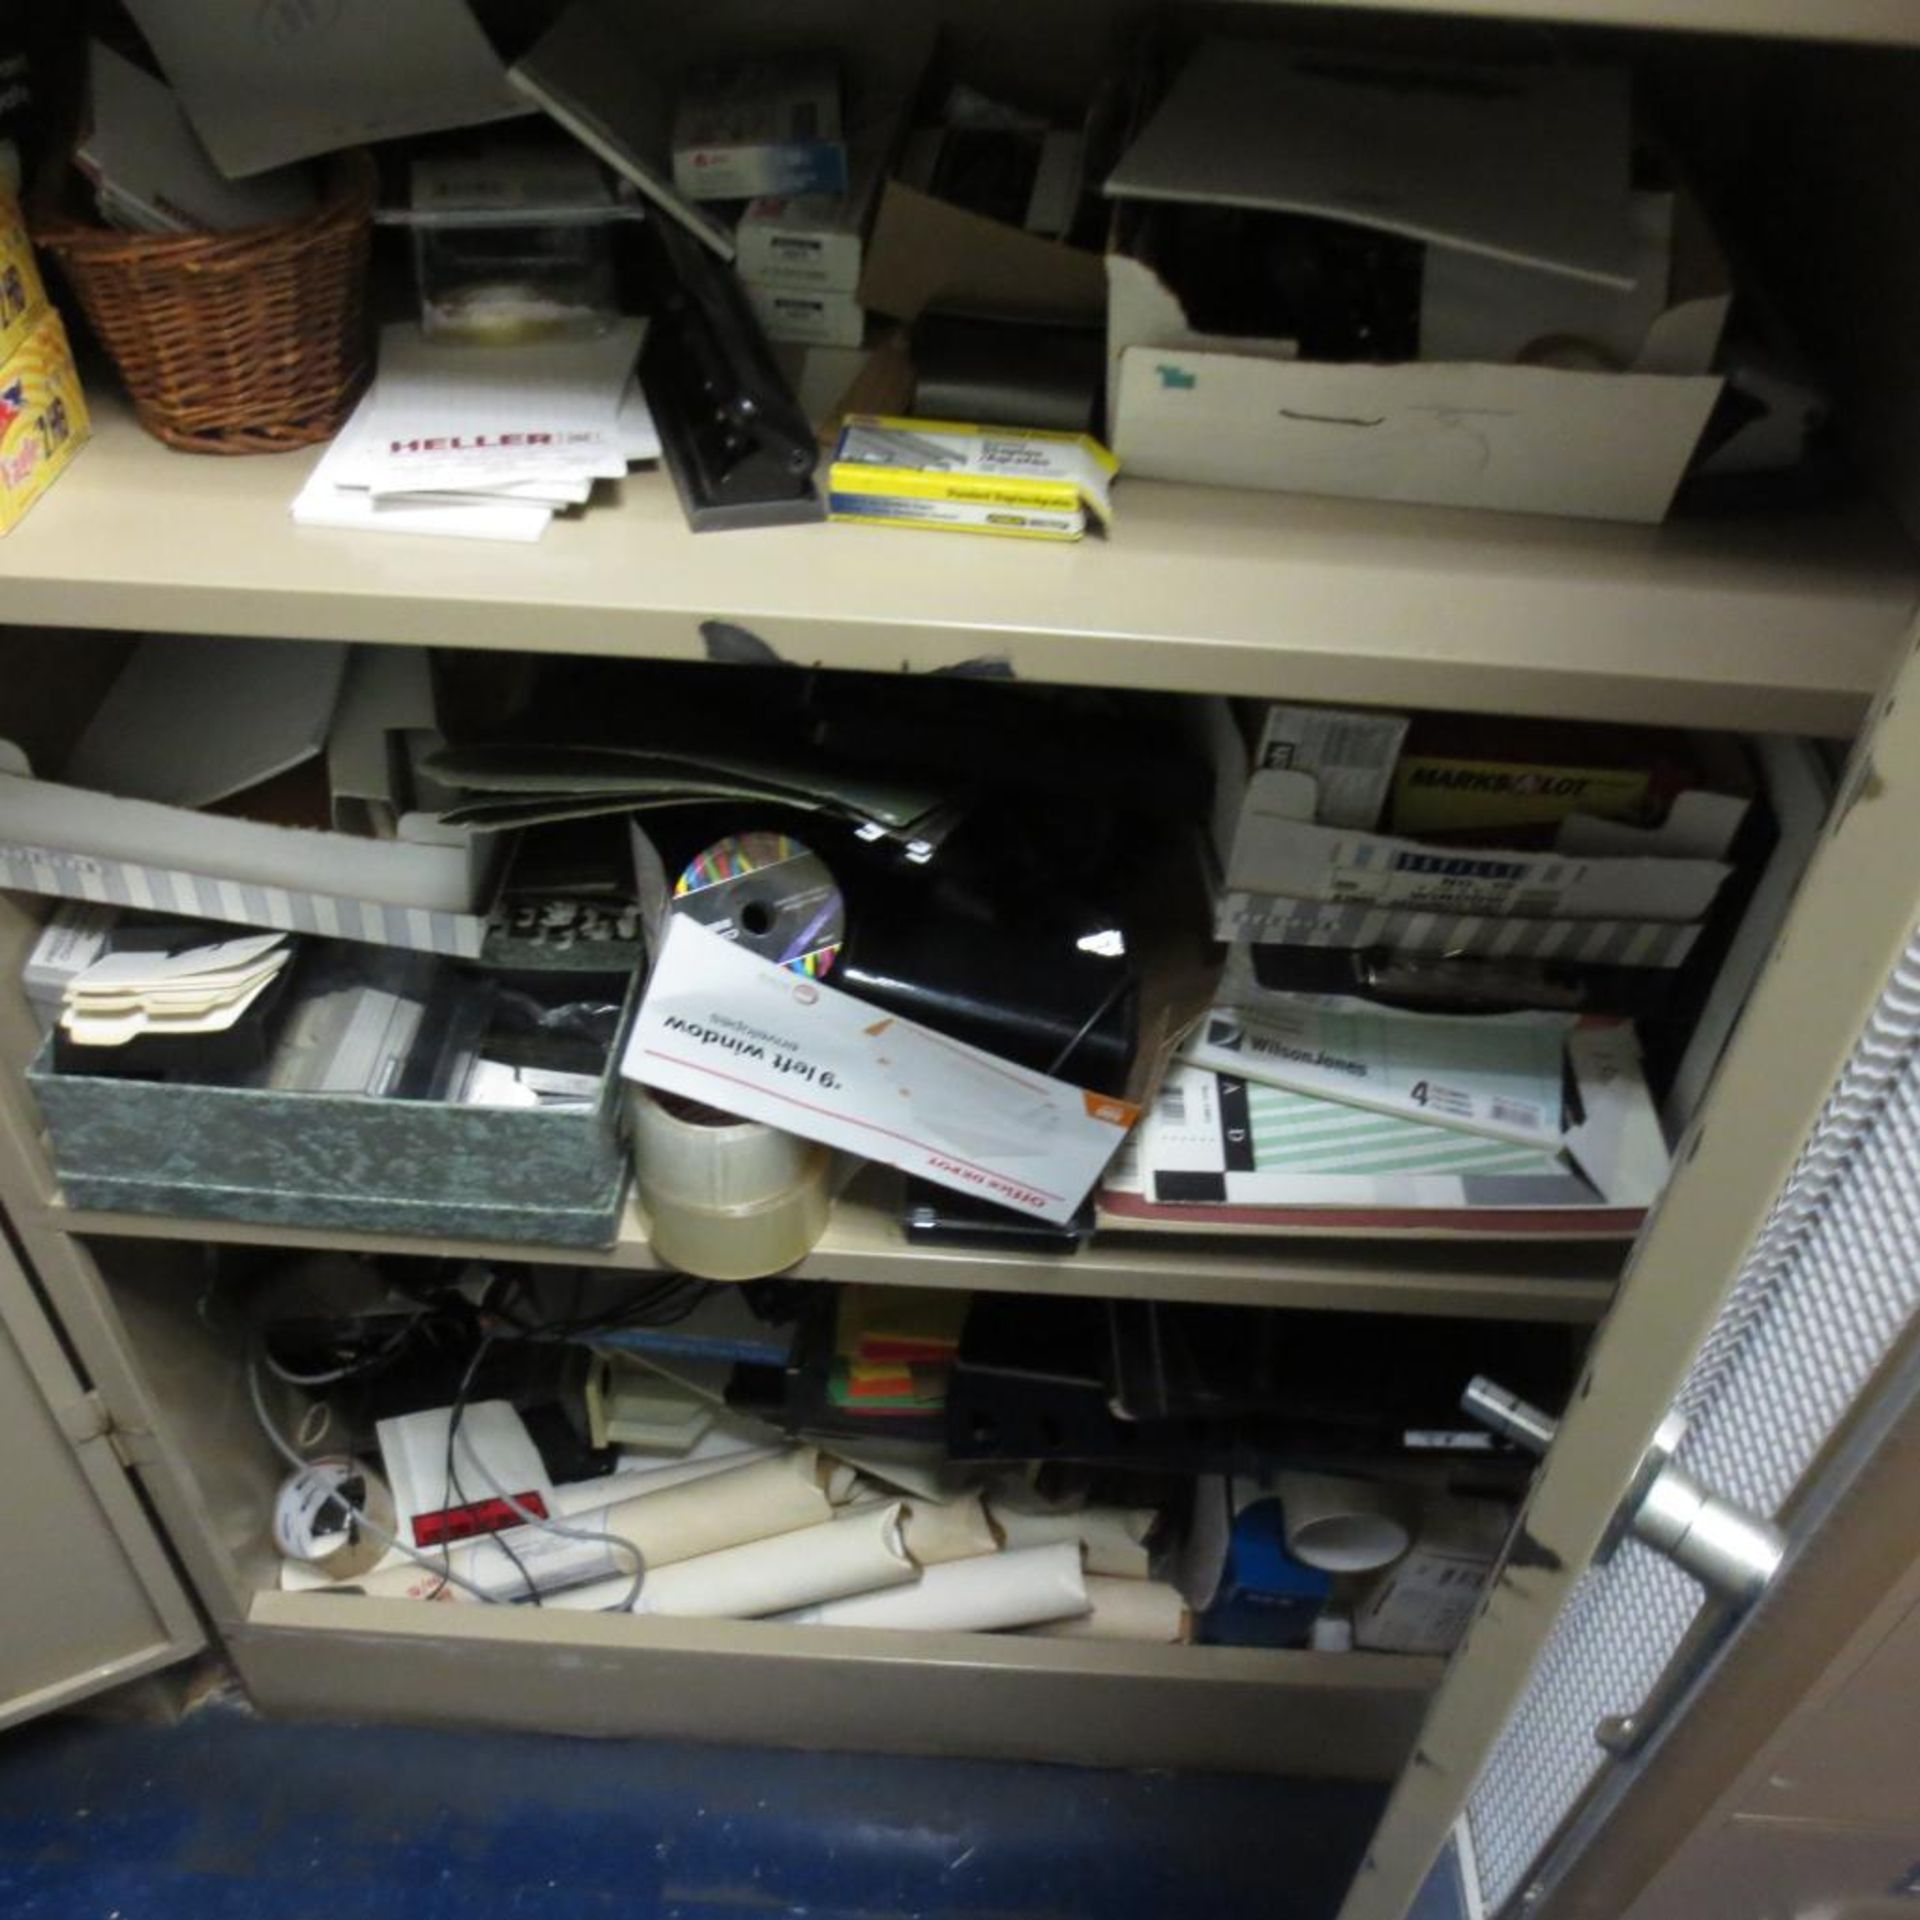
(810, 318)
(1425, 1603)
(74, 937)
(816, 241)
(760, 127)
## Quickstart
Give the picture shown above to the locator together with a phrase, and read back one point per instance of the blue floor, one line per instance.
(225, 1817)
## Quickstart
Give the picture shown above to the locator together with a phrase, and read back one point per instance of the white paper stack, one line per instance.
(483, 442)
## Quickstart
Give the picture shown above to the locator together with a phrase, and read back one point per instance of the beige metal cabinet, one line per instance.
(1797, 621)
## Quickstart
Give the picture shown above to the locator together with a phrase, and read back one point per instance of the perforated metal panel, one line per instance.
(1831, 1284)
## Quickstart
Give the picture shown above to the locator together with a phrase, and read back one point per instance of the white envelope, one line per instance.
(723, 1026)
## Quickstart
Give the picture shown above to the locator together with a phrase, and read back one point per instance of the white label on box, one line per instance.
(1277, 852)
(722, 1026)
(809, 318)
(1424, 1605)
(1351, 757)
(1278, 920)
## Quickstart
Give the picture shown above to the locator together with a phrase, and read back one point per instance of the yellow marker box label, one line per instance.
(1434, 794)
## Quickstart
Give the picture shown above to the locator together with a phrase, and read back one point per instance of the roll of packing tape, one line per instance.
(311, 1501)
(726, 1199)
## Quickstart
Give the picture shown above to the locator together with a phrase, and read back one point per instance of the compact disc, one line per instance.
(770, 894)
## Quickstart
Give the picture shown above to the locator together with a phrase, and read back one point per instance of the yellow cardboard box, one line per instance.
(43, 416)
(23, 294)
(942, 473)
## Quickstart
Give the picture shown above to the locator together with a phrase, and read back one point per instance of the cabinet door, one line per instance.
(1765, 1301)
(87, 1596)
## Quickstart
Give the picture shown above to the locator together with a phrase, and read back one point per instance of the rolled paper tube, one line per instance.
(1020, 1588)
(856, 1553)
(942, 1530)
(1141, 1610)
(589, 1496)
(752, 1502)
(1114, 1539)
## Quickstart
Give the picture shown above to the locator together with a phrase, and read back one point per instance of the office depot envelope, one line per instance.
(722, 1026)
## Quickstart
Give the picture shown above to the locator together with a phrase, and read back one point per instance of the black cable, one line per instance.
(456, 1494)
(662, 1302)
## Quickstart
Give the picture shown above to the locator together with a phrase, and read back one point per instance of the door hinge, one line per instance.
(87, 1419)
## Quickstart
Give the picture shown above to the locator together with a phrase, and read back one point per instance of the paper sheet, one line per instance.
(466, 419)
(192, 719)
(1217, 1146)
(1112, 1539)
(1140, 1610)
(1019, 1588)
(1523, 163)
(269, 81)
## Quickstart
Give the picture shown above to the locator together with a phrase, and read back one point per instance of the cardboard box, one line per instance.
(428, 887)
(1425, 1602)
(982, 479)
(1280, 850)
(23, 294)
(1226, 410)
(541, 1176)
(808, 317)
(926, 252)
(43, 415)
(766, 126)
(1605, 890)
(1278, 920)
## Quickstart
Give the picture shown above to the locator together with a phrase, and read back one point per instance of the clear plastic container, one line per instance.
(512, 246)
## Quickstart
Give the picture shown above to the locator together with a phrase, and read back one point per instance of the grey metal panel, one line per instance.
(995, 1696)
(86, 1596)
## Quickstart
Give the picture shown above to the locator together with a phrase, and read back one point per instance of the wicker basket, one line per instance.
(246, 342)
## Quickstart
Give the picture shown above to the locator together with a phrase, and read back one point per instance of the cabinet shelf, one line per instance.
(1352, 1715)
(1891, 23)
(864, 1242)
(1784, 621)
